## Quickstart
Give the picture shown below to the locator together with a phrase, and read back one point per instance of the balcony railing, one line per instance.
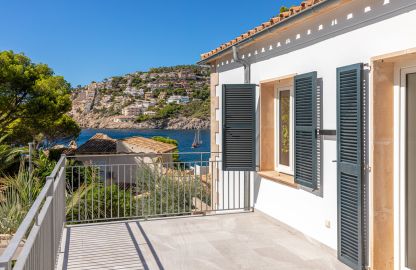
(98, 188)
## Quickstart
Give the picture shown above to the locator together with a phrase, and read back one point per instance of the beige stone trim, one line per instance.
(277, 79)
(382, 163)
(395, 56)
(280, 178)
(267, 127)
(382, 158)
(214, 108)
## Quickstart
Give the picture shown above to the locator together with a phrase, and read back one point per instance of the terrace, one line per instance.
(152, 212)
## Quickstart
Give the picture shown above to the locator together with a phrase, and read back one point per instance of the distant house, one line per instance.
(106, 155)
(148, 95)
(178, 99)
(100, 143)
(186, 75)
(150, 113)
(149, 103)
(132, 110)
(134, 91)
(162, 95)
(149, 146)
(123, 119)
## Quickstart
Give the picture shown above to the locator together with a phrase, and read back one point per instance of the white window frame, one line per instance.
(278, 167)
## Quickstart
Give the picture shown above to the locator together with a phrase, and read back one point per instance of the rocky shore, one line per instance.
(92, 120)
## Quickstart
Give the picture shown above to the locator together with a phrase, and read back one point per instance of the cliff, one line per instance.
(162, 98)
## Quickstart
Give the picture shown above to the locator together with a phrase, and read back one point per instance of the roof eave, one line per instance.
(274, 27)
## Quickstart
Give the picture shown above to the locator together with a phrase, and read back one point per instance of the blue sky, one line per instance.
(86, 40)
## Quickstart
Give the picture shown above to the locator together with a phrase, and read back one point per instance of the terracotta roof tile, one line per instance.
(98, 144)
(275, 20)
(151, 145)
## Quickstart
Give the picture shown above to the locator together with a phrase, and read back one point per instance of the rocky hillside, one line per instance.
(167, 97)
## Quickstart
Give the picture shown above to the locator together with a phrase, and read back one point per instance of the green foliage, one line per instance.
(192, 68)
(16, 196)
(12, 212)
(202, 94)
(33, 100)
(9, 156)
(136, 81)
(153, 193)
(95, 201)
(117, 80)
(176, 91)
(43, 165)
(198, 109)
(168, 140)
(283, 9)
(165, 140)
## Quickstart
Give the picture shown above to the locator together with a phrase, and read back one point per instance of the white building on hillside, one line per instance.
(178, 99)
(132, 110)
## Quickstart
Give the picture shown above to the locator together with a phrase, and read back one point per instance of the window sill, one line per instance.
(280, 178)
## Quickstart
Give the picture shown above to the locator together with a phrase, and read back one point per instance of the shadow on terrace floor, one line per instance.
(233, 241)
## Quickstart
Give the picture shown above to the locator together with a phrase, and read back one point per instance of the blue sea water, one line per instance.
(184, 138)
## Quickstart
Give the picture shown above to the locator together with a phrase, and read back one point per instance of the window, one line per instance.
(284, 129)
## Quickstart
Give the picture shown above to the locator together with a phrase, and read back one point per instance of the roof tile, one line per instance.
(150, 144)
(275, 20)
(98, 144)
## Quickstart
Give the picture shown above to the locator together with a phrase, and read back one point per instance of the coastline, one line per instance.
(179, 123)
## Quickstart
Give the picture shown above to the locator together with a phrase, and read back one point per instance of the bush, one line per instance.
(168, 140)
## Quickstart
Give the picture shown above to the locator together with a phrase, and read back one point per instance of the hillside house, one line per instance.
(149, 113)
(108, 153)
(132, 110)
(178, 99)
(318, 103)
(123, 119)
(148, 95)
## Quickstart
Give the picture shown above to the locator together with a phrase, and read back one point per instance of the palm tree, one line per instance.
(9, 155)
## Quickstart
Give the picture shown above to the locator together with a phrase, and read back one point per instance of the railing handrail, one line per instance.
(59, 164)
(26, 223)
(141, 154)
(31, 215)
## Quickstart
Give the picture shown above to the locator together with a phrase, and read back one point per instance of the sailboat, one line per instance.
(197, 139)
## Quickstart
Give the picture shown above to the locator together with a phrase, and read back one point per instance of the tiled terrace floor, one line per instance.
(233, 241)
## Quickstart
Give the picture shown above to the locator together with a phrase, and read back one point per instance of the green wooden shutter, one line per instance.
(239, 127)
(305, 130)
(349, 141)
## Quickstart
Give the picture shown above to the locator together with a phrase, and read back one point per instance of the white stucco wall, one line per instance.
(374, 28)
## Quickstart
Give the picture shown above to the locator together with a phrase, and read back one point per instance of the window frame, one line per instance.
(279, 167)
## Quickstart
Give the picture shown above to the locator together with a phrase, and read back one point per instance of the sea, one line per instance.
(184, 138)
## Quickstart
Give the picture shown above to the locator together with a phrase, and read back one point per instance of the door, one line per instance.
(408, 181)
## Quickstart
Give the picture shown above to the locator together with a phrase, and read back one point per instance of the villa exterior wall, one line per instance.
(374, 28)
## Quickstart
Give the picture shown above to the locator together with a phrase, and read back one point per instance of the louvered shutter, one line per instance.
(349, 102)
(239, 127)
(305, 130)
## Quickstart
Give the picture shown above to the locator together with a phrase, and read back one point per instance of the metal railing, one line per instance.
(113, 187)
(97, 188)
(41, 230)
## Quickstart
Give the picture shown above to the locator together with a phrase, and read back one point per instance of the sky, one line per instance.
(89, 40)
